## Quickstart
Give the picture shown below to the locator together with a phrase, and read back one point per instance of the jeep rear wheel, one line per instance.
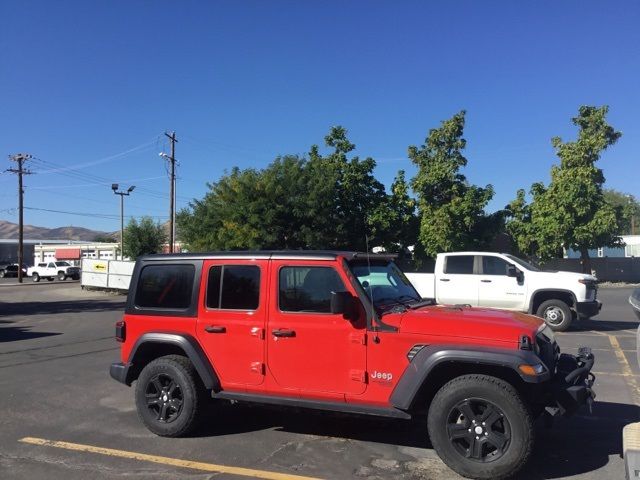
(480, 427)
(556, 314)
(169, 397)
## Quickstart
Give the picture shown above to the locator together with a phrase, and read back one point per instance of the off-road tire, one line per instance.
(35, 277)
(193, 395)
(62, 276)
(511, 411)
(556, 314)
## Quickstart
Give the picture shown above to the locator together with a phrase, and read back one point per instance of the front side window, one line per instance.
(494, 266)
(51, 265)
(63, 264)
(233, 287)
(459, 264)
(165, 286)
(308, 289)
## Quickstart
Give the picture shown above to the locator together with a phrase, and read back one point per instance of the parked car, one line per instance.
(634, 300)
(12, 271)
(50, 270)
(346, 332)
(497, 280)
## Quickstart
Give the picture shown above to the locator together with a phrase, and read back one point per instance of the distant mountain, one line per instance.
(9, 230)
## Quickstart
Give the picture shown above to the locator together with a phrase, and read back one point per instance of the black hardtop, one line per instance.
(270, 254)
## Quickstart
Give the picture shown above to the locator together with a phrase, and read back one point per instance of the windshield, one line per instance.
(385, 284)
(522, 263)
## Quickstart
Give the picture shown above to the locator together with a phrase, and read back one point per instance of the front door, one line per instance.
(308, 347)
(232, 319)
(496, 288)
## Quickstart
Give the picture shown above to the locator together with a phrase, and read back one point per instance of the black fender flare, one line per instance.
(430, 357)
(542, 290)
(191, 348)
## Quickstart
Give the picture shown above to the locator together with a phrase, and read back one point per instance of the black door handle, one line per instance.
(485, 281)
(215, 329)
(283, 332)
(444, 279)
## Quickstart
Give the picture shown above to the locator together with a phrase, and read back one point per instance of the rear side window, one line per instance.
(233, 287)
(165, 286)
(308, 289)
(459, 264)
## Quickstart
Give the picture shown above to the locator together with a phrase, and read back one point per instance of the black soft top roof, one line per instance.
(272, 254)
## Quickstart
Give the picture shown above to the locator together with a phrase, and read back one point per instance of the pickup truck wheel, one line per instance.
(2, 274)
(62, 276)
(169, 397)
(36, 277)
(556, 314)
(480, 427)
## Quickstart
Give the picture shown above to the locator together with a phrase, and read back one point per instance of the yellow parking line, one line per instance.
(205, 467)
(626, 369)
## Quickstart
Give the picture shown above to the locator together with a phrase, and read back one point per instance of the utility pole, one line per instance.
(114, 187)
(20, 158)
(172, 194)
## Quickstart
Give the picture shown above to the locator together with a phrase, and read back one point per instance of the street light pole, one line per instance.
(114, 187)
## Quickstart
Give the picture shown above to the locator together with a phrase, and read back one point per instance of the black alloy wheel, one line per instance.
(478, 430)
(164, 398)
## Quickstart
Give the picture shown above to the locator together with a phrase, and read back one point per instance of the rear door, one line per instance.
(496, 289)
(458, 283)
(232, 319)
(308, 348)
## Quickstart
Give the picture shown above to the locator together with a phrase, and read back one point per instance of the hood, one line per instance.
(469, 322)
(570, 276)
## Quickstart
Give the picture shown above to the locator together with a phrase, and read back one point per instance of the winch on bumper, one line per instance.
(571, 386)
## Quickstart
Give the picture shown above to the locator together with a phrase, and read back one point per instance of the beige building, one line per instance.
(75, 252)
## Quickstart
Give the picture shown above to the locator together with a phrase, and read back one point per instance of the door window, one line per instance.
(308, 289)
(494, 266)
(233, 287)
(459, 264)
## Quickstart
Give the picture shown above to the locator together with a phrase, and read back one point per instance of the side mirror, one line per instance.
(512, 271)
(342, 302)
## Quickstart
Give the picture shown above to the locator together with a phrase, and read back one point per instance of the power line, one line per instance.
(87, 214)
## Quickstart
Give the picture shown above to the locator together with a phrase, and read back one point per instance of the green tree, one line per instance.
(143, 237)
(321, 201)
(627, 210)
(451, 210)
(572, 211)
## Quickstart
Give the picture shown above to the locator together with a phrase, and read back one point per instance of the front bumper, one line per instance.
(588, 309)
(572, 384)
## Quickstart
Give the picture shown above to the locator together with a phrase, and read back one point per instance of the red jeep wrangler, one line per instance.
(347, 332)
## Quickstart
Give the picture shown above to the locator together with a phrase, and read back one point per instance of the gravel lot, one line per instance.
(56, 344)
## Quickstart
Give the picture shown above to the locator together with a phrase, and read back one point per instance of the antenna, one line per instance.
(376, 338)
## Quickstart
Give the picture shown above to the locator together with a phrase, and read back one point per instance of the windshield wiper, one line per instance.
(425, 302)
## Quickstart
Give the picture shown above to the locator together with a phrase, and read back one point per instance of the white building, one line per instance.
(75, 252)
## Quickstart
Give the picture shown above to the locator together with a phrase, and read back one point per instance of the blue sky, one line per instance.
(88, 88)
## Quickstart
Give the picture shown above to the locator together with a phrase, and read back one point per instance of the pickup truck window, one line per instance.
(63, 264)
(494, 266)
(524, 264)
(459, 264)
(233, 287)
(308, 289)
(165, 286)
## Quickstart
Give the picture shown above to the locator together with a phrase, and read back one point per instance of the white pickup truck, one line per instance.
(499, 280)
(51, 270)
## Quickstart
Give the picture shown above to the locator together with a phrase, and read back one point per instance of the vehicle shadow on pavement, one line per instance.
(596, 325)
(573, 446)
(59, 307)
(15, 333)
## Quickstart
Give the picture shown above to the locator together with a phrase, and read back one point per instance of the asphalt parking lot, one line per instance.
(56, 344)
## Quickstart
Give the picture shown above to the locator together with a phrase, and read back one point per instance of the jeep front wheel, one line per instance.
(169, 397)
(556, 314)
(480, 427)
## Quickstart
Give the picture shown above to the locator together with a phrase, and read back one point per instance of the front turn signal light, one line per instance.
(532, 370)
